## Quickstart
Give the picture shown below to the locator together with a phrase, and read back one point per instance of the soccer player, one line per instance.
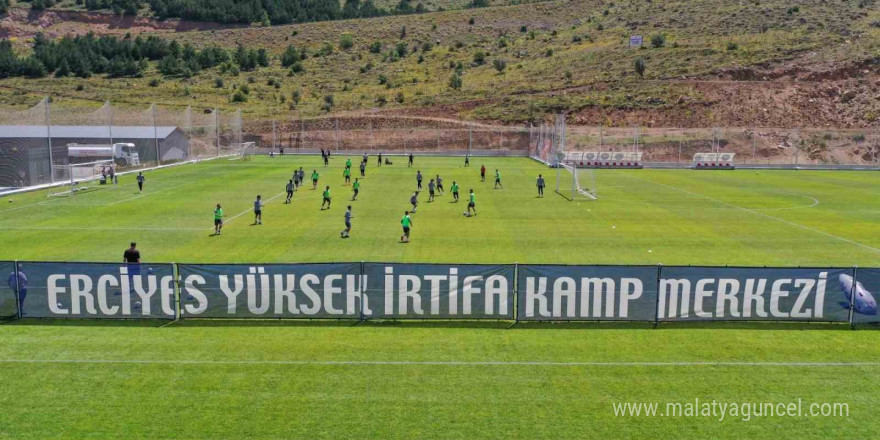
(302, 176)
(454, 191)
(364, 169)
(258, 210)
(347, 174)
(482, 173)
(467, 160)
(218, 219)
(540, 185)
(406, 222)
(419, 179)
(431, 186)
(314, 179)
(348, 163)
(364, 160)
(379, 158)
(414, 201)
(140, 181)
(326, 198)
(440, 184)
(289, 189)
(355, 188)
(347, 230)
(327, 158)
(410, 163)
(498, 179)
(472, 203)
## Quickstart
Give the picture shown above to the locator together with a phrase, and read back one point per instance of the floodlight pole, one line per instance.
(217, 128)
(110, 127)
(49, 140)
(156, 136)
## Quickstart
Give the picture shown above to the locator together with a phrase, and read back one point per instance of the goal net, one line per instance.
(82, 176)
(245, 151)
(576, 183)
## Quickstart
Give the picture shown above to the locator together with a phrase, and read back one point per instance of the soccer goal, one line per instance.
(82, 176)
(576, 183)
(245, 151)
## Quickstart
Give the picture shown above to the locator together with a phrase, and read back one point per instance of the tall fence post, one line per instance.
(18, 305)
(156, 134)
(273, 135)
(754, 144)
(515, 304)
(852, 297)
(657, 291)
(49, 140)
(217, 128)
(363, 289)
(336, 135)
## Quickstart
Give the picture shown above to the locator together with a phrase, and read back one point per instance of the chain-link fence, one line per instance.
(35, 141)
(771, 147)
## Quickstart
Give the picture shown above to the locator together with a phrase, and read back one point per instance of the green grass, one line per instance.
(273, 379)
(203, 382)
(742, 217)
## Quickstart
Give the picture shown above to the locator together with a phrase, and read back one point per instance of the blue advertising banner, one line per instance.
(773, 294)
(413, 291)
(586, 293)
(331, 290)
(864, 295)
(14, 285)
(98, 290)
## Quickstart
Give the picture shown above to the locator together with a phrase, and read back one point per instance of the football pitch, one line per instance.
(272, 379)
(670, 217)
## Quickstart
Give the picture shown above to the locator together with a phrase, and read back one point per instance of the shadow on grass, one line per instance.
(439, 324)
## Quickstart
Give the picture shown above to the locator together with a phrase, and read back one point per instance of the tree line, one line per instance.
(84, 56)
(246, 11)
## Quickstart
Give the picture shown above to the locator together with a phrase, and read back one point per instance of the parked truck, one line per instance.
(123, 154)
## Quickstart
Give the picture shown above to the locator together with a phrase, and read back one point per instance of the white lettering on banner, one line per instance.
(193, 292)
(598, 294)
(279, 294)
(83, 295)
(425, 295)
(676, 297)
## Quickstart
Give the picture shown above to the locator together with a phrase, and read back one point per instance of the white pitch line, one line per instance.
(251, 209)
(441, 363)
(752, 211)
(49, 228)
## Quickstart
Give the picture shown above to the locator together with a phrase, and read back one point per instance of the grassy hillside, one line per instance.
(811, 64)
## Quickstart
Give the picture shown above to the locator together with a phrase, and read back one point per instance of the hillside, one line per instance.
(728, 63)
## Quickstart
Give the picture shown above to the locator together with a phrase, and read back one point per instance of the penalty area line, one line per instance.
(752, 211)
(440, 363)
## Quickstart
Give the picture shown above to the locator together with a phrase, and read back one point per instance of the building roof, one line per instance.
(86, 131)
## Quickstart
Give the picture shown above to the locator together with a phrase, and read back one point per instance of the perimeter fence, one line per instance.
(510, 292)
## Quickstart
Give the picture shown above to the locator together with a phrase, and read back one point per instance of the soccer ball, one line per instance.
(150, 270)
(137, 305)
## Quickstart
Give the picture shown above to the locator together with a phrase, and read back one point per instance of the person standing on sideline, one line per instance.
(345, 232)
(467, 160)
(482, 173)
(410, 164)
(140, 181)
(17, 281)
(132, 259)
(540, 185)
(379, 158)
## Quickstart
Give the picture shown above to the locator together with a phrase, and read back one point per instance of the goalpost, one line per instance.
(82, 176)
(245, 151)
(576, 183)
